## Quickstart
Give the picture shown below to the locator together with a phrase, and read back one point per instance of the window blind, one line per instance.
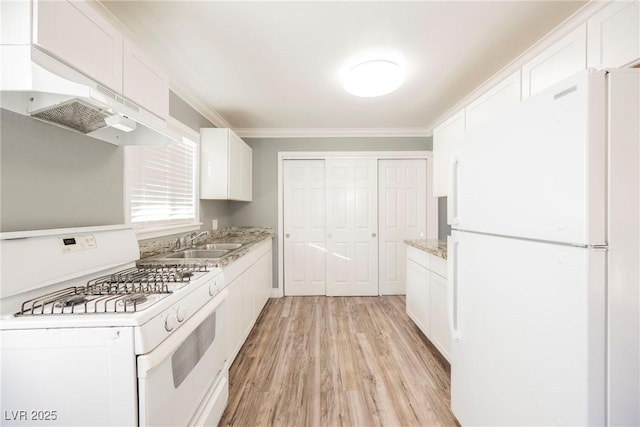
(161, 183)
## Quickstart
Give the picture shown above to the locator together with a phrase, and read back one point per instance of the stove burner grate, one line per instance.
(122, 292)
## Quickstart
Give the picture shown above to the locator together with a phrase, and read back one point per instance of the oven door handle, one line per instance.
(154, 358)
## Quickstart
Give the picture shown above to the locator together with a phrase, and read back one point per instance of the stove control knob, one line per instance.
(213, 288)
(171, 322)
(181, 314)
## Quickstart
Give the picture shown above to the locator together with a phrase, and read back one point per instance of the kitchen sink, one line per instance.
(199, 253)
(221, 246)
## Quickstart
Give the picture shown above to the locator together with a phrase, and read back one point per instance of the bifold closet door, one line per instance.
(304, 227)
(351, 227)
(402, 197)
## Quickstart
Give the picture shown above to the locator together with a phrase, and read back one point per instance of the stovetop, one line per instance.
(131, 290)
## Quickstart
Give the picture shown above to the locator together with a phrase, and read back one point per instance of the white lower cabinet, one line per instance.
(418, 282)
(427, 297)
(249, 282)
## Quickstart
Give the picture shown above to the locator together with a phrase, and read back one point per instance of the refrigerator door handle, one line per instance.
(453, 215)
(452, 274)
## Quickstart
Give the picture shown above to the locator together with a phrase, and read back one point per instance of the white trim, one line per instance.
(331, 132)
(322, 155)
(280, 231)
(167, 230)
(571, 23)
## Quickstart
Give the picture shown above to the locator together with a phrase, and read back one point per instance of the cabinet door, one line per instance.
(304, 227)
(498, 99)
(235, 324)
(240, 164)
(78, 35)
(257, 280)
(418, 295)
(263, 281)
(563, 59)
(444, 137)
(352, 226)
(225, 166)
(438, 310)
(214, 163)
(613, 36)
(145, 83)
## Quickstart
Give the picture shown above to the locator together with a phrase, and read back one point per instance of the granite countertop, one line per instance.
(432, 246)
(152, 252)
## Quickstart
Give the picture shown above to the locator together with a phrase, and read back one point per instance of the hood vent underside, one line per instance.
(74, 114)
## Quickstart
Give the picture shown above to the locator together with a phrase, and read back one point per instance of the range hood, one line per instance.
(36, 84)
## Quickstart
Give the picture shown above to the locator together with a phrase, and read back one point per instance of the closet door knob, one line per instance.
(286, 235)
(373, 234)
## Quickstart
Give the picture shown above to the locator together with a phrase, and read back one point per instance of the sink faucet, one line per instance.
(188, 240)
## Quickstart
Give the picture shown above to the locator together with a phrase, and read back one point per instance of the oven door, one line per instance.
(175, 378)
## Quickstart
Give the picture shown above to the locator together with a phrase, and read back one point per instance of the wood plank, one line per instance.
(338, 361)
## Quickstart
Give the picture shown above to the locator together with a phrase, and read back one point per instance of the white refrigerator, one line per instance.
(543, 259)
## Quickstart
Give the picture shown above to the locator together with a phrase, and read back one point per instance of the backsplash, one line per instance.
(152, 247)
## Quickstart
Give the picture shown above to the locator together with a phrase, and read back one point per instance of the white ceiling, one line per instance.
(276, 66)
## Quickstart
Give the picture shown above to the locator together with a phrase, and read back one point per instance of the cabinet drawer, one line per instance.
(439, 265)
(419, 257)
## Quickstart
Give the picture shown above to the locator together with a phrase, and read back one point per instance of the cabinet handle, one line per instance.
(373, 234)
(286, 235)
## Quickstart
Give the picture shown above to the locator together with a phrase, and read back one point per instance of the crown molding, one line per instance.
(331, 132)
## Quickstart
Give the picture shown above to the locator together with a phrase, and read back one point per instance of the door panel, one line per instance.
(402, 206)
(529, 315)
(549, 182)
(352, 252)
(304, 218)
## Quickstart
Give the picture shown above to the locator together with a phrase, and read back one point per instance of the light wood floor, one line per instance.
(338, 361)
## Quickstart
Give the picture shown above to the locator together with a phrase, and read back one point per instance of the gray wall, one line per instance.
(184, 113)
(55, 178)
(264, 208)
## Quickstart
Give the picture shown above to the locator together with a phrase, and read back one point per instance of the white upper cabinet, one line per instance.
(77, 34)
(613, 36)
(444, 136)
(225, 166)
(496, 100)
(564, 58)
(145, 83)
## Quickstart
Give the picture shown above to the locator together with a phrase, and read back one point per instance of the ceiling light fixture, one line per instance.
(373, 78)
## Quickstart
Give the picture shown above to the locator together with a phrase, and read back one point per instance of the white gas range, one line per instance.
(88, 338)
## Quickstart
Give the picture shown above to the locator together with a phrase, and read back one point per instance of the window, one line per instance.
(160, 184)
